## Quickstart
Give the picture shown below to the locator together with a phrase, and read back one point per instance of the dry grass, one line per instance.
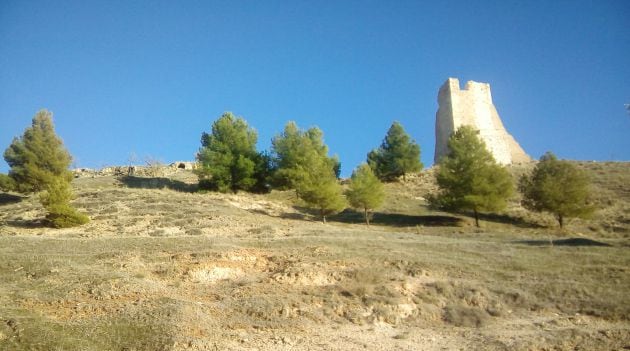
(161, 269)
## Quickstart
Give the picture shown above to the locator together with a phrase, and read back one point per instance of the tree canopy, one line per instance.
(397, 155)
(227, 158)
(365, 191)
(469, 178)
(321, 190)
(39, 163)
(558, 187)
(38, 157)
(302, 163)
(294, 151)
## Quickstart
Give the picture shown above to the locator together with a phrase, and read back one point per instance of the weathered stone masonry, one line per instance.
(473, 106)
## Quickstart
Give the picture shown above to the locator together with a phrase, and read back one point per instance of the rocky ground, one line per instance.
(160, 267)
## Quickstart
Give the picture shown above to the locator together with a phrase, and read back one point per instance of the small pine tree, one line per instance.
(558, 187)
(227, 158)
(39, 163)
(320, 189)
(365, 191)
(469, 178)
(56, 199)
(397, 155)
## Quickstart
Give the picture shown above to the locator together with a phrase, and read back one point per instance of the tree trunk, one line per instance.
(476, 217)
(367, 217)
(560, 221)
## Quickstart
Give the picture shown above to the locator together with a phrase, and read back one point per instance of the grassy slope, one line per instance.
(162, 269)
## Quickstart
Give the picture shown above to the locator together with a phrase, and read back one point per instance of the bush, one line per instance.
(65, 216)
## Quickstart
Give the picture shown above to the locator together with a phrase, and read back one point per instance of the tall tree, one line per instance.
(39, 163)
(365, 191)
(558, 187)
(227, 158)
(397, 155)
(469, 178)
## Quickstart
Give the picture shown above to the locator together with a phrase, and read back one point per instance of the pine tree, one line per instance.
(227, 158)
(397, 155)
(39, 163)
(56, 199)
(469, 178)
(302, 163)
(293, 152)
(365, 191)
(558, 187)
(320, 189)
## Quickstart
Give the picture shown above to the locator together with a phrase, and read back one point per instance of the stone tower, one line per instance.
(473, 106)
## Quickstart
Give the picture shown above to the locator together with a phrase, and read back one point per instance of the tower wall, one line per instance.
(473, 106)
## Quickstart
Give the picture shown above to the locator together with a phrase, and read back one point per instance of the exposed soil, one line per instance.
(162, 268)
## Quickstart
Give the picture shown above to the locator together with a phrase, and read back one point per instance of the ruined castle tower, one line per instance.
(473, 106)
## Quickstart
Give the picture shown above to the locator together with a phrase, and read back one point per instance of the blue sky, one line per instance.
(148, 78)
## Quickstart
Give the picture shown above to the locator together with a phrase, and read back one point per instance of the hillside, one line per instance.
(161, 267)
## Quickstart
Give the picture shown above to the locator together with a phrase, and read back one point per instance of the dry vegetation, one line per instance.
(162, 268)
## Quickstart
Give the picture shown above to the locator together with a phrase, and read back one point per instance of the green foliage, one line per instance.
(396, 156)
(263, 173)
(321, 190)
(56, 200)
(557, 187)
(365, 191)
(39, 163)
(38, 157)
(294, 153)
(227, 158)
(469, 178)
(6, 183)
(302, 163)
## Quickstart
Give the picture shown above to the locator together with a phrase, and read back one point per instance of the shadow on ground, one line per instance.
(157, 183)
(506, 219)
(564, 242)
(26, 223)
(6, 199)
(398, 220)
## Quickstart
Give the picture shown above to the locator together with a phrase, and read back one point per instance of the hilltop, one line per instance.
(162, 267)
